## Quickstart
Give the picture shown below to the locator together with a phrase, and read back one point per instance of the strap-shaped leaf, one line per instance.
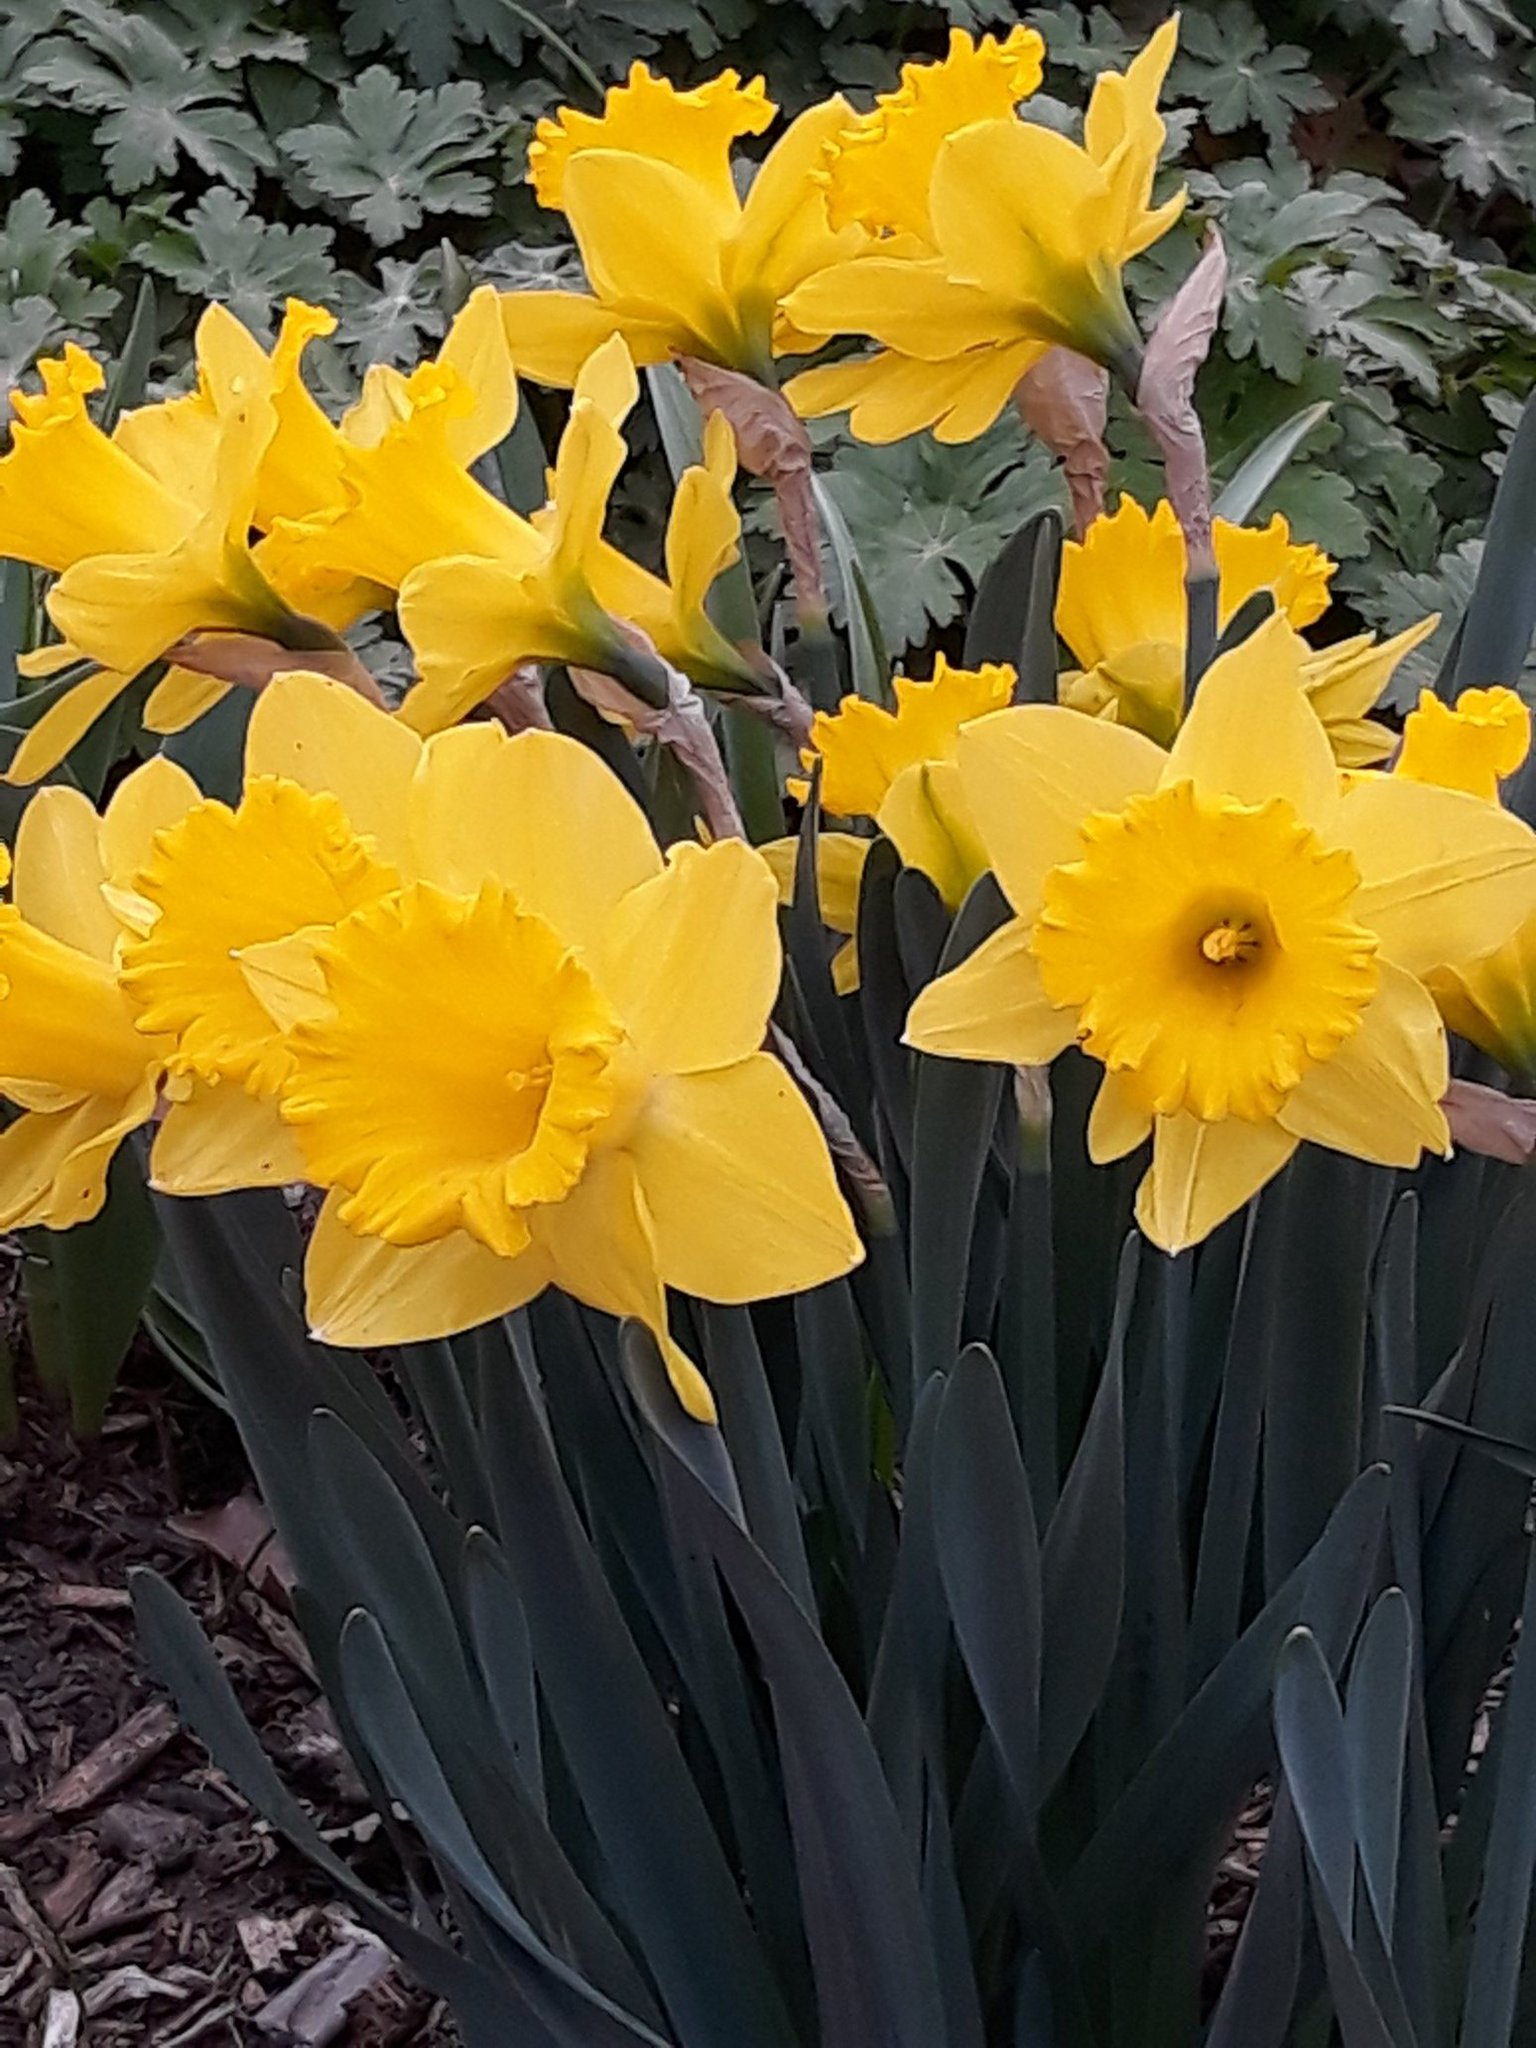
(1014, 616)
(876, 1976)
(669, 1874)
(1376, 1732)
(1499, 1936)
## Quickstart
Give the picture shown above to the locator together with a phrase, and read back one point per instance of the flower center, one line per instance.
(1234, 941)
(1208, 949)
(465, 1069)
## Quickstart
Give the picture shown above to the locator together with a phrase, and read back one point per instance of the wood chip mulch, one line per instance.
(141, 1900)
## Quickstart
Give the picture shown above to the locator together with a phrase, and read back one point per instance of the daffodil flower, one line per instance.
(74, 1065)
(1241, 942)
(1122, 609)
(1473, 745)
(517, 1045)
(679, 264)
(1005, 239)
(553, 589)
(142, 559)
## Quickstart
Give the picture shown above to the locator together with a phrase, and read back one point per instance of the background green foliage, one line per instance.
(1372, 164)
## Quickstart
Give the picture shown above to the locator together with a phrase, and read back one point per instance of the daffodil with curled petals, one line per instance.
(142, 559)
(1122, 609)
(71, 1059)
(1006, 239)
(679, 264)
(1474, 745)
(1242, 943)
(553, 589)
(529, 1054)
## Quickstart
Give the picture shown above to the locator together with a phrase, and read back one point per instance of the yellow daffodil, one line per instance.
(1241, 942)
(553, 589)
(1122, 610)
(72, 1062)
(678, 263)
(1470, 745)
(142, 559)
(1473, 745)
(517, 1044)
(1006, 239)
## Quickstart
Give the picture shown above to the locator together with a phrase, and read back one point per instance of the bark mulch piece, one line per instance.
(142, 1903)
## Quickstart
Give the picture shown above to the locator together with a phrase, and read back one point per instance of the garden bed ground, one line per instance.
(141, 1901)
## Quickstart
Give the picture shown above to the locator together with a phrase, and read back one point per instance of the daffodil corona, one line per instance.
(1241, 943)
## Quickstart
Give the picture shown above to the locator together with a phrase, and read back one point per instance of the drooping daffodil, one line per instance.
(516, 1044)
(142, 558)
(1122, 609)
(678, 262)
(1239, 939)
(1004, 239)
(553, 589)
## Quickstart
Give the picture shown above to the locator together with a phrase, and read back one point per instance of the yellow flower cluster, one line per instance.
(445, 975)
(451, 982)
(242, 508)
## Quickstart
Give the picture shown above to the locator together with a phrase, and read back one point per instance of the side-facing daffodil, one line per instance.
(552, 589)
(1122, 609)
(516, 1044)
(898, 768)
(1240, 941)
(678, 262)
(142, 559)
(1473, 745)
(1005, 239)
(73, 1063)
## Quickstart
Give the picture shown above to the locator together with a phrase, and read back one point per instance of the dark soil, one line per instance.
(141, 1900)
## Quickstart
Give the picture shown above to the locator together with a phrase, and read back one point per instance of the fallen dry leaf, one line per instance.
(241, 1533)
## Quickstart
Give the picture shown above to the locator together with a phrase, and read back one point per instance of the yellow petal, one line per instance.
(475, 349)
(1122, 584)
(180, 698)
(286, 978)
(1031, 776)
(59, 873)
(704, 527)
(484, 804)
(63, 724)
(551, 334)
(691, 129)
(217, 1138)
(925, 816)
(1444, 876)
(1202, 1173)
(1118, 1121)
(739, 1186)
(53, 1168)
(917, 308)
(651, 239)
(992, 1007)
(154, 796)
(325, 737)
(362, 1291)
(600, 1249)
(690, 959)
(888, 396)
(1378, 1097)
(1251, 733)
(784, 234)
